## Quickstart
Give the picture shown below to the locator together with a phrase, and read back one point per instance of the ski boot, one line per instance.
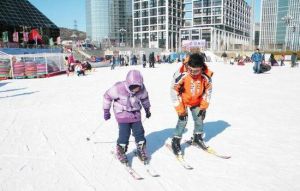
(176, 146)
(198, 140)
(141, 151)
(121, 153)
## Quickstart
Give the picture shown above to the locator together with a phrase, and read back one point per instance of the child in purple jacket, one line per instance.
(128, 97)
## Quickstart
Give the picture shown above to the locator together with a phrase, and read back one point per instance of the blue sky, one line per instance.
(64, 12)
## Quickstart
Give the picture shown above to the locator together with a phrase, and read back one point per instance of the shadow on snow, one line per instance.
(157, 139)
(16, 95)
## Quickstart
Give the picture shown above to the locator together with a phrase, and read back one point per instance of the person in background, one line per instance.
(232, 61)
(79, 69)
(144, 60)
(282, 60)
(293, 59)
(257, 59)
(224, 56)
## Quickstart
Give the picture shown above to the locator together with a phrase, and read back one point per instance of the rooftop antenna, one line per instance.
(75, 25)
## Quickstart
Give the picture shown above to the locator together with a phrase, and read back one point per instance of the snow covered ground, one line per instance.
(44, 124)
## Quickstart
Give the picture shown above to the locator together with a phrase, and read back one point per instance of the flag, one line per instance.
(51, 43)
(5, 36)
(58, 41)
(15, 37)
(25, 36)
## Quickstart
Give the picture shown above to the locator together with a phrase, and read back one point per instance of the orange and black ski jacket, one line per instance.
(188, 91)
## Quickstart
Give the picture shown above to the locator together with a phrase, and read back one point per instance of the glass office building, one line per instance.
(22, 16)
(280, 21)
(156, 23)
(109, 22)
(223, 24)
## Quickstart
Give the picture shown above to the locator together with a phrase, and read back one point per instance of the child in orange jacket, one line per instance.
(191, 89)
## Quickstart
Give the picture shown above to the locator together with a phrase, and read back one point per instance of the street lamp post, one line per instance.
(287, 21)
(122, 31)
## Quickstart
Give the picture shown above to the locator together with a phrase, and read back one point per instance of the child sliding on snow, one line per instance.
(191, 89)
(127, 97)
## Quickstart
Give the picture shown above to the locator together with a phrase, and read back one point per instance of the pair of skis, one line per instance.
(149, 169)
(208, 150)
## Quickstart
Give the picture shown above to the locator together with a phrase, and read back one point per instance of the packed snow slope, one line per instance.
(253, 118)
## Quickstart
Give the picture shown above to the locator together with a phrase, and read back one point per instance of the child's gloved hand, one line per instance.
(202, 114)
(148, 113)
(106, 114)
(183, 117)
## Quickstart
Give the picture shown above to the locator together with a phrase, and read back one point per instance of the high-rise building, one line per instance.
(280, 21)
(109, 22)
(256, 34)
(156, 23)
(223, 24)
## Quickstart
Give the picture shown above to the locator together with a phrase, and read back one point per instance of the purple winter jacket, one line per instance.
(126, 104)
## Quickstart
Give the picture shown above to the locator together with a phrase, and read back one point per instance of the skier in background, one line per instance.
(127, 97)
(191, 89)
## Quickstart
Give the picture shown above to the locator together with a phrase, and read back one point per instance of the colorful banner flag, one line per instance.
(51, 43)
(25, 36)
(58, 41)
(15, 37)
(5, 36)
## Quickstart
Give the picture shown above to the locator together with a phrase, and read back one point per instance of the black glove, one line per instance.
(202, 114)
(148, 113)
(181, 90)
(183, 117)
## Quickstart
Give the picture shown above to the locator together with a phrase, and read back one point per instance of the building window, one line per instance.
(137, 22)
(197, 21)
(153, 3)
(161, 2)
(217, 20)
(145, 28)
(206, 20)
(161, 11)
(216, 11)
(153, 12)
(197, 4)
(161, 27)
(187, 7)
(153, 28)
(136, 14)
(206, 3)
(137, 6)
(144, 13)
(187, 22)
(153, 20)
(207, 11)
(187, 15)
(185, 32)
(145, 4)
(153, 36)
(216, 2)
(195, 31)
(145, 21)
(137, 29)
(161, 20)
